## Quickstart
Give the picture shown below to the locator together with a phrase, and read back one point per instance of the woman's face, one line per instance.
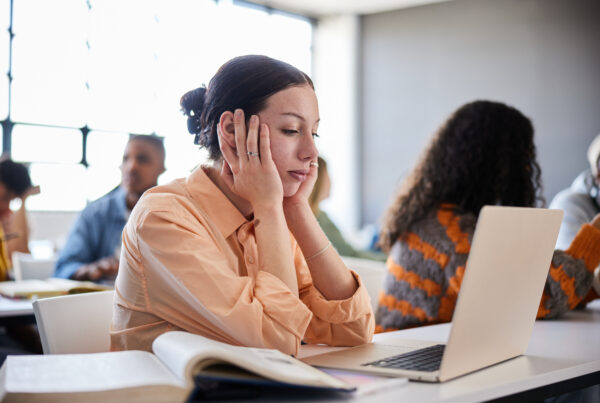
(293, 118)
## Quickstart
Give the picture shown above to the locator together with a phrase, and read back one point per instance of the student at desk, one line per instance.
(483, 154)
(233, 252)
(14, 231)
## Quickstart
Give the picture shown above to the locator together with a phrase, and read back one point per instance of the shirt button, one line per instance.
(250, 259)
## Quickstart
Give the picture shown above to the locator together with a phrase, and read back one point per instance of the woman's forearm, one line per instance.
(274, 247)
(329, 273)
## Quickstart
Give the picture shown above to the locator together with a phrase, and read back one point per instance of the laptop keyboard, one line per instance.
(425, 359)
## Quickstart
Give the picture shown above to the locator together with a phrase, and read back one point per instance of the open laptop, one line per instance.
(496, 309)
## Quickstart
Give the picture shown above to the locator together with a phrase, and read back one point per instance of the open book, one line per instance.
(180, 361)
(50, 287)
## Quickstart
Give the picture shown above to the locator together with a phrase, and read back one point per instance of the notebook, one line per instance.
(496, 308)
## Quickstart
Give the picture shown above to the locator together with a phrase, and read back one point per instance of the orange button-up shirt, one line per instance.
(190, 261)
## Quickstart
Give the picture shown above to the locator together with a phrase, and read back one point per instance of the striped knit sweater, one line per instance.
(426, 268)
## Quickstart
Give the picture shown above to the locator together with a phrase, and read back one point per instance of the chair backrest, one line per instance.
(26, 267)
(76, 323)
(371, 273)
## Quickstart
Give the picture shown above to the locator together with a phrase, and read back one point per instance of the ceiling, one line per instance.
(321, 8)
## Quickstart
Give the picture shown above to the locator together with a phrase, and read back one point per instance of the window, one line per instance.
(4, 60)
(96, 71)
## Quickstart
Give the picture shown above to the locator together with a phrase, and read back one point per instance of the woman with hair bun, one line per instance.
(233, 252)
(483, 154)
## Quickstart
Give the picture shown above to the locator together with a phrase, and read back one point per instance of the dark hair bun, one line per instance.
(192, 104)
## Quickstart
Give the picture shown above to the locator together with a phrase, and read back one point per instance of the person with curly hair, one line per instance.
(233, 252)
(484, 154)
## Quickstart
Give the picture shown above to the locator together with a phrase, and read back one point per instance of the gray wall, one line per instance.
(420, 64)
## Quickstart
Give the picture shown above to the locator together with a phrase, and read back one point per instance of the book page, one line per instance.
(45, 288)
(67, 373)
(183, 353)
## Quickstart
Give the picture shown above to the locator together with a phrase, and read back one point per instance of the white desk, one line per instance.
(560, 350)
(12, 308)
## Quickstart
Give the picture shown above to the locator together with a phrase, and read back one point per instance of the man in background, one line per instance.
(93, 245)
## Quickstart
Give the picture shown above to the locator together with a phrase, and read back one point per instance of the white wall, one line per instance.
(51, 225)
(420, 64)
(336, 78)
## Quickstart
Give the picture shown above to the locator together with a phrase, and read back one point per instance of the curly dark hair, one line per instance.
(483, 154)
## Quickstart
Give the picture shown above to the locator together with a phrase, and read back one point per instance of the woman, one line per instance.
(319, 193)
(484, 154)
(222, 252)
(14, 228)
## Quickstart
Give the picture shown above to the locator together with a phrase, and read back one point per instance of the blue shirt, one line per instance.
(96, 233)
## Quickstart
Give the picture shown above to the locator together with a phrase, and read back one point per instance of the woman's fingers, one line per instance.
(228, 153)
(240, 135)
(265, 145)
(252, 140)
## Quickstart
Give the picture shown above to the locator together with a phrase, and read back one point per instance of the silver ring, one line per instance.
(314, 164)
(253, 154)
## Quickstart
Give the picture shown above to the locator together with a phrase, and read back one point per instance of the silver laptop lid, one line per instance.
(511, 249)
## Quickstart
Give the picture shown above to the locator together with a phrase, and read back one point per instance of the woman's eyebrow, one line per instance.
(293, 114)
(297, 116)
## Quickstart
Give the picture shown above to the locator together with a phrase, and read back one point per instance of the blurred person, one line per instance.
(580, 201)
(14, 229)
(483, 155)
(93, 246)
(320, 192)
(15, 338)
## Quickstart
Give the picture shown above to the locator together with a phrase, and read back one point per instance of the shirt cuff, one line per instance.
(339, 311)
(281, 305)
(586, 246)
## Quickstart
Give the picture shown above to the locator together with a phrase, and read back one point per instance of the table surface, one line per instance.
(559, 350)
(15, 307)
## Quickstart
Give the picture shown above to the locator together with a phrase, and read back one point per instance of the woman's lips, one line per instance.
(299, 175)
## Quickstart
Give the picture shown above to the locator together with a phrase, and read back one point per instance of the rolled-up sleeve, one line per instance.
(570, 278)
(347, 322)
(189, 280)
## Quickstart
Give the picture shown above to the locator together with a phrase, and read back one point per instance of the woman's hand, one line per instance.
(248, 168)
(303, 193)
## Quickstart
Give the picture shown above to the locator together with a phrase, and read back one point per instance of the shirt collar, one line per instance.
(214, 202)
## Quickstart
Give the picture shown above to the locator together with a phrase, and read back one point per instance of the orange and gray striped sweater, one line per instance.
(426, 267)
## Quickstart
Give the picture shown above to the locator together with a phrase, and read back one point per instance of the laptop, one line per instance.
(496, 308)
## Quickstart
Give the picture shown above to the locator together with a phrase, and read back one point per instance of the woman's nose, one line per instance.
(309, 148)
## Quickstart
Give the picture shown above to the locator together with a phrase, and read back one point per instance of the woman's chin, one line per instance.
(290, 190)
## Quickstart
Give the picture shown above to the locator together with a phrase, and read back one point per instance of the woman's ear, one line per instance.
(226, 129)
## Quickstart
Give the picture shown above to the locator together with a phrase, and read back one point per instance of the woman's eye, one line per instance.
(315, 135)
(290, 131)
